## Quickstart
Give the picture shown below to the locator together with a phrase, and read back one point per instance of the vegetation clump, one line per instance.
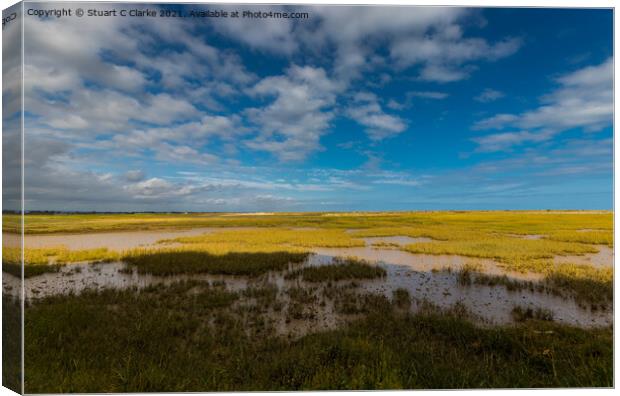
(189, 337)
(339, 269)
(521, 314)
(196, 262)
(586, 284)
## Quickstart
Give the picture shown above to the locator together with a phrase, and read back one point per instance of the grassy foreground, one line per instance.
(11, 343)
(193, 337)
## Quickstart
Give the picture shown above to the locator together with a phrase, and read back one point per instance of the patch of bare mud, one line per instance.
(119, 240)
(603, 258)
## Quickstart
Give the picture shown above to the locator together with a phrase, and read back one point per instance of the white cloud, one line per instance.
(291, 126)
(135, 175)
(268, 34)
(427, 94)
(137, 91)
(179, 153)
(446, 58)
(498, 121)
(584, 99)
(442, 73)
(489, 95)
(427, 36)
(366, 110)
(91, 112)
(157, 188)
(354, 30)
(506, 140)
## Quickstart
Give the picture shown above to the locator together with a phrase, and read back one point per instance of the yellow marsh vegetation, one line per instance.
(515, 222)
(57, 255)
(497, 235)
(280, 237)
(515, 253)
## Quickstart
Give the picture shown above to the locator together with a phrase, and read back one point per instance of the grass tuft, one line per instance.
(189, 262)
(340, 269)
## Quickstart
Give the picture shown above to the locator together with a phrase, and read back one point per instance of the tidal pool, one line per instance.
(431, 278)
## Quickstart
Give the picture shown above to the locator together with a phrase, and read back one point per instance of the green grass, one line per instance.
(29, 270)
(521, 314)
(586, 284)
(191, 262)
(340, 269)
(11, 343)
(189, 337)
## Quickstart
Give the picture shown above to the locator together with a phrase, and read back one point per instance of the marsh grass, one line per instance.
(188, 337)
(39, 261)
(508, 222)
(274, 237)
(522, 314)
(596, 237)
(265, 297)
(339, 269)
(11, 343)
(491, 235)
(195, 262)
(350, 302)
(302, 303)
(586, 284)
(402, 299)
(513, 253)
(196, 336)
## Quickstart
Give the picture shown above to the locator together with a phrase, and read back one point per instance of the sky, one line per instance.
(352, 109)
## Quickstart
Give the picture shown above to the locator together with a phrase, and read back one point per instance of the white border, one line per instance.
(477, 3)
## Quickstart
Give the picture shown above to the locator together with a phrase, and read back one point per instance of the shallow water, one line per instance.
(603, 258)
(118, 240)
(425, 277)
(493, 305)
(419, 275)
(419, 262)
(75, 278)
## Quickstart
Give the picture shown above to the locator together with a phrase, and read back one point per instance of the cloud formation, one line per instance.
(489, 95)
(367, 111)
(272, 114)
(583, 99)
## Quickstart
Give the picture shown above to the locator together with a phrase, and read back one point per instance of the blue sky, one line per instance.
(354, 108)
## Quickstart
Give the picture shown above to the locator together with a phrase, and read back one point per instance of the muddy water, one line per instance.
(603, 258)
(419, 276)
(75, 278)
(119, 240)
(424, 276)
(419, 262)
(491, 304)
